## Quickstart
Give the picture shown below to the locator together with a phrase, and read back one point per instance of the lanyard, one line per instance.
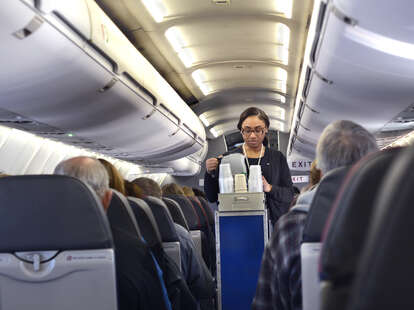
(247, 159)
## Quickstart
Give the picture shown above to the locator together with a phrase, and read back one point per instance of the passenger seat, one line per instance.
(169, 237)
(311, 243)
(146, 222)
(56, 247)
(349, 221)
(192, 220)
(176, 212)
(385, 271)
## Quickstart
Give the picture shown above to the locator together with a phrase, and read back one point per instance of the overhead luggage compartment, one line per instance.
(67, 67)
(361, 69)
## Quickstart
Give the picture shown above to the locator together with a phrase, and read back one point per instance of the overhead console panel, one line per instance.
(66, 66)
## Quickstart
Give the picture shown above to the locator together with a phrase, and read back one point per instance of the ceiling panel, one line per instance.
(234, 47)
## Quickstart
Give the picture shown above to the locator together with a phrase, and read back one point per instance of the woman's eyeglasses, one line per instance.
(248, 131)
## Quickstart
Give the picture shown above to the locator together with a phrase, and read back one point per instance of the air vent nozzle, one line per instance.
(221, 2)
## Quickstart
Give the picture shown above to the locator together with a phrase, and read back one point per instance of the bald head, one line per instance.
(90, 171)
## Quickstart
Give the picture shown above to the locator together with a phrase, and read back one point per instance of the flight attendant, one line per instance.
(277, 183)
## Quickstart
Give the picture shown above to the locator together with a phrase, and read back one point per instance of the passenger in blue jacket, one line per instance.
(277, 183)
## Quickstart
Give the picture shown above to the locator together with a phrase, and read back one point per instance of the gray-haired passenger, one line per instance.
(342, 143)
(138, 282)
(90, 171)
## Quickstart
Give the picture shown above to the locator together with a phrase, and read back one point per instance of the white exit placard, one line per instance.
(300, 179)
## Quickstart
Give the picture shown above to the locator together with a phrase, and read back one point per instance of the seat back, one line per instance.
(349, 221)
(146, 221)
(121, 216)
(188, 210)
(169, 237)
(192, 220)
(209, 212)
(309, 256)
(56, 248)
(310, 249)
(202, 215)
(322, 203)
(176, 212)
(385, 271)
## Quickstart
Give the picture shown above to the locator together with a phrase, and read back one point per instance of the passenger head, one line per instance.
(199, 193)
(188, 191)
(115, 179)
(172, 189)
(133, 190)
(149, 187)
(343, 143)
(90, 171)
(254, 125)
(315, 174)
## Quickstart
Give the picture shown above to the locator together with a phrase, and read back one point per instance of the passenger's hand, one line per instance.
(211, 164)
(266, 186)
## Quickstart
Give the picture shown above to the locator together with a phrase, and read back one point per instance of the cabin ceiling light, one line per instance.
(177, 42)
(381, 43)
(282, 35)
(156, 8)
(278, 124)
(278, 112)
(204, 120)
(282, 55)
(284, 7)
(214, 132)
(281, 98)
(199, 78)
(281, 79)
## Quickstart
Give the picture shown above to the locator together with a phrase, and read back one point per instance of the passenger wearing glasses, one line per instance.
(277, 183)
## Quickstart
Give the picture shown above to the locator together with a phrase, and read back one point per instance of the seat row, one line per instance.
(356, 252)
(56, 238)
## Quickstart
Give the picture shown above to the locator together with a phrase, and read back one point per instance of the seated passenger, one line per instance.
(139, 282)
(175, 189)
(342, 143)
(115, 180)
(133, 190)
(194, 270)
(199, 193)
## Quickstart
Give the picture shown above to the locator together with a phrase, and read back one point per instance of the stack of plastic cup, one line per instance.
(255, 179)
(225, 179)
(240, 185)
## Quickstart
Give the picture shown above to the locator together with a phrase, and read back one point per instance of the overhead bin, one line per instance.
(392, 19)
(362, 69)
(84, 78)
